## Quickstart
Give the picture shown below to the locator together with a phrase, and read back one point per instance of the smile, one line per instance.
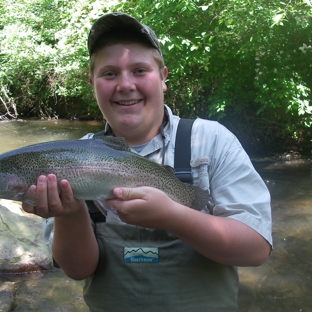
(127, 103)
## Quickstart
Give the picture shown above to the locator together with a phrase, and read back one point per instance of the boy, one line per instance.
(196, 251)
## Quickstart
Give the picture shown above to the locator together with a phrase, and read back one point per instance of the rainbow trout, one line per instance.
(93, 168)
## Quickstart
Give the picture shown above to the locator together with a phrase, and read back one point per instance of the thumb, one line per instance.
(126, 193)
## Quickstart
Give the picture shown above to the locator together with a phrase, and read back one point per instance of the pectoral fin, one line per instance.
(109, 212)
(30, 201)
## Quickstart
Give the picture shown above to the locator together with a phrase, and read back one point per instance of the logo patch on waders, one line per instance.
(141, 254)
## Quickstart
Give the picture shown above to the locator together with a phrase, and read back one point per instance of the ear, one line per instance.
(90, 80)
(164, 75)
(92, 84)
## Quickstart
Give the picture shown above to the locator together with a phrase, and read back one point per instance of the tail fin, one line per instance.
(202, 198)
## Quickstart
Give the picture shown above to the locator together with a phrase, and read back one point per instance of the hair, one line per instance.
(123, 36)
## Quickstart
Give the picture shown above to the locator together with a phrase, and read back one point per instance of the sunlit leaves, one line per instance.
(278, 19)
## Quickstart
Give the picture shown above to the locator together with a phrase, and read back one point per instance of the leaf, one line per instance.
(308, 2)
(278, 18)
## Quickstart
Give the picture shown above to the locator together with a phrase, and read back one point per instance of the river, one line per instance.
(282, 284)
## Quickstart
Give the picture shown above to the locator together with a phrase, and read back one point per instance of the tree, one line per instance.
(246, 63)
(44, 56)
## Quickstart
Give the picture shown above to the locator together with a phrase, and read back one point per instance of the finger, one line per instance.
(30, 197)
(30, 200)
(41, 190)
(127, 193)
(54, 202)
(66, 191)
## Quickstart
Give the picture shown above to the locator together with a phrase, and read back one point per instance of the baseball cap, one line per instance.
(118, 21)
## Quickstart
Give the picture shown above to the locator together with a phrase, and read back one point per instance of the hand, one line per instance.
(143, 206)
(49, 202)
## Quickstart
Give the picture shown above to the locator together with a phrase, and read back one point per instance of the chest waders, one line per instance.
(150, 270)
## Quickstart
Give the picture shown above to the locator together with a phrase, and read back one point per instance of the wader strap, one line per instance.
(182, 152)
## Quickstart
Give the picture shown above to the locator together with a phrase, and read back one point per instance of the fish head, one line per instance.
(12, 187)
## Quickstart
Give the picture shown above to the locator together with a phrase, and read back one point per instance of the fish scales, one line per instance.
(93, 168)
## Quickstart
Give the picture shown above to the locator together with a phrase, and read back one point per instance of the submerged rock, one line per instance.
(27, 280)
(22, 248)
(7, 296)
(48, 291)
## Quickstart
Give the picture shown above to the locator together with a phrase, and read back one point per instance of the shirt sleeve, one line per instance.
(236, 189)
(48, 228)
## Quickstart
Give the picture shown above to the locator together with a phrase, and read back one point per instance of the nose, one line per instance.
(125, 82)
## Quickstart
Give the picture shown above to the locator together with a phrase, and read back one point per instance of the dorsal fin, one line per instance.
(116, 143)
(169, 168)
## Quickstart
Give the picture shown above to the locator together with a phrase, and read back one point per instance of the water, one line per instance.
(21, 133)
(283, 283)
(50, 291)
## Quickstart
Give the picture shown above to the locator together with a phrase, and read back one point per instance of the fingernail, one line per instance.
(64, 183)
(51, 177)
(41, 179)
(33, 189)
(118, 192)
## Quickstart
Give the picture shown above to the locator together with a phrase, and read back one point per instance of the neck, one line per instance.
(139, 135)
(139, 138)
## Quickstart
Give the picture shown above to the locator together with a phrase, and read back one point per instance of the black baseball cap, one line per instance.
(118, 21)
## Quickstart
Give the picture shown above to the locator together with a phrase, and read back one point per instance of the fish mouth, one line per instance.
(128, 103)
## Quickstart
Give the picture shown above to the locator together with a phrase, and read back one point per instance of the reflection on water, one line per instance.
(282, 284)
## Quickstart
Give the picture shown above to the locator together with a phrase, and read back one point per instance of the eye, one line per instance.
(140, 71)
(109, 74)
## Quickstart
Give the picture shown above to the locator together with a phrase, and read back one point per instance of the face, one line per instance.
(129, 90)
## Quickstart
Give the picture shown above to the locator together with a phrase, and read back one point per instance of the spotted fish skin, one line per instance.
(93, 168)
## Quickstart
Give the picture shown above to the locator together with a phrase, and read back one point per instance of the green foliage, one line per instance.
(246, 63)
(44, 60)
